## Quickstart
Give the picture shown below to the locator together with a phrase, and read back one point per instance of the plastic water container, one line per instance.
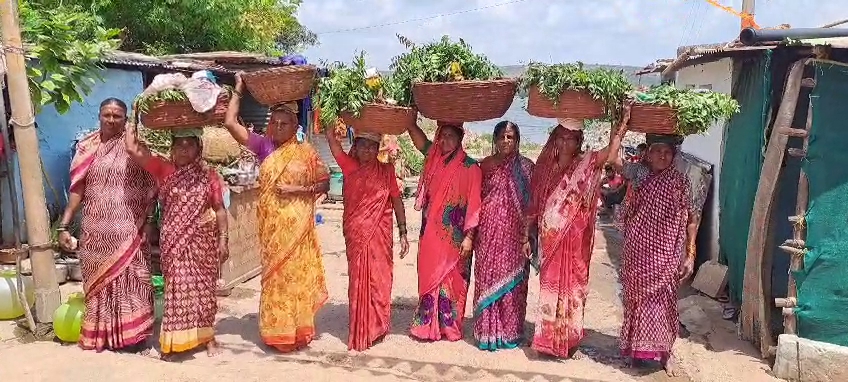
(67, 319)
(158, 297)
(336, 181)
(10, 305)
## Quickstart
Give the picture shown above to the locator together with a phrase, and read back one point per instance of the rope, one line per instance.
(747, 18)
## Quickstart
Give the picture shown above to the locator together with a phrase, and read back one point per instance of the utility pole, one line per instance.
(747, 11)
(35, 207)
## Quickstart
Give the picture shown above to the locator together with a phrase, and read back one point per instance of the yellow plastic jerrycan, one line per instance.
(10, 305)
(67, 319)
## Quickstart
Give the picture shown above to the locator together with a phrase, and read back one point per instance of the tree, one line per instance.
(65, 45)
(160, 27)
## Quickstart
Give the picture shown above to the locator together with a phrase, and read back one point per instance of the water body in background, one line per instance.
(533, 129)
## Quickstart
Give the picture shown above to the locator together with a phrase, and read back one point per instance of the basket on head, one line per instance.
(166, 115)
(464, 101)
(280, 84)
(382, 119)
(571, 104)
(653, 119)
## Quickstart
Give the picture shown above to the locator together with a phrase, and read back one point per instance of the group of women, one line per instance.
(510, 213)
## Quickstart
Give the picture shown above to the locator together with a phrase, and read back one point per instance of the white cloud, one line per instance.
(633, 32)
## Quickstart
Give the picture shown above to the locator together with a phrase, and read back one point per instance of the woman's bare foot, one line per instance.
(165, 357)
(670, 366)
(212, 348)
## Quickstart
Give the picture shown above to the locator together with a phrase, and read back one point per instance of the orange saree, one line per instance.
(293, 286)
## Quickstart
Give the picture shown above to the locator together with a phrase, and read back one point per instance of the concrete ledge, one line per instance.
(803, 360)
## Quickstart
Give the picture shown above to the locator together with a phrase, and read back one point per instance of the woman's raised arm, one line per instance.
(236, 129)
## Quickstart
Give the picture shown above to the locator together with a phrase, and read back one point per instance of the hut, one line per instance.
(781, 188)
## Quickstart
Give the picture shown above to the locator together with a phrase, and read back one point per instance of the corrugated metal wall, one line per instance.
(320, 143)
(254, 113)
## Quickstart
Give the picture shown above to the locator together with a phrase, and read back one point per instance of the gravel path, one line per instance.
(398, 357)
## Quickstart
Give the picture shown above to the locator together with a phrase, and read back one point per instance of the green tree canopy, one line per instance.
(160, 27)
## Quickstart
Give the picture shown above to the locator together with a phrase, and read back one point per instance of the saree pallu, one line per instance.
(116, 195)
(189, 258)
(293, 285)
(450, 200)
(654, 237)
(501, 270)
(368, 240)
(566, 229)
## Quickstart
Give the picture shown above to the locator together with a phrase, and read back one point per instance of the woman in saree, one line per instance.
(115, 194)
(370, 195)
(563, 206)
(449, 198)
(193, 240)
(291, 176)
(502, 267)
(660, 228)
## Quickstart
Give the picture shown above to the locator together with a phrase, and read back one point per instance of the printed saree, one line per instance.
(500, 269)
(654, 238)
(189, 245)
(449, 198)
(293, 284)
(564, 203)
(116, 195)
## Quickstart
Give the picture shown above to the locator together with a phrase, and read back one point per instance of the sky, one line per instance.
(510, 32)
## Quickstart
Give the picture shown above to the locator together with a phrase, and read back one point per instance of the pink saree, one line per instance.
(116, 194)
(500, 269)
(449, 198)
(564, 202)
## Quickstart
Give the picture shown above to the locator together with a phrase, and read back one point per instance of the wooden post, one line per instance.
(35, 207)
(747, 10)
(756, 309)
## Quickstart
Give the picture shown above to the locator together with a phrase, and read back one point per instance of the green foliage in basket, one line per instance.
(144, 102)
(440, 61)
(607, 85)
(347, 89)
(696, 110)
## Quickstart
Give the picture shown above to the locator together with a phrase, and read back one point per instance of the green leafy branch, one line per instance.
(609, 86)
(696, 110)
(347, 90)
(68, 45)
(440, 61)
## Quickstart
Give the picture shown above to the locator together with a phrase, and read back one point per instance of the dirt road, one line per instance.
(711, 353)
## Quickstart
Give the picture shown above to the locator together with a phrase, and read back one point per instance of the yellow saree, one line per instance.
(293, 285)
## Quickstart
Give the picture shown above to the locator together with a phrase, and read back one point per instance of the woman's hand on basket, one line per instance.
(404, 246)
(625, 118)
(239, 82)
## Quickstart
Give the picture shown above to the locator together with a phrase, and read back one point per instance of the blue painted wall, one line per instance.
(56, 134)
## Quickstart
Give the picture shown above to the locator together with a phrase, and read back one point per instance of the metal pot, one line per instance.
(61, 273)
(74, 269)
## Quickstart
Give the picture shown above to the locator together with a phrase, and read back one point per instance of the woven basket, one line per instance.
(219, 146)
(572, 104)
(651, 119)
(176, 115)
(280, 84)
(382, 119)
(464, 101)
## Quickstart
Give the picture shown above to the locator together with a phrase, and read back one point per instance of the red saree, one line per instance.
(189, 247)
(116, 194)
(449, 198)
(367, 229)
(563, 203)
(654, 238)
